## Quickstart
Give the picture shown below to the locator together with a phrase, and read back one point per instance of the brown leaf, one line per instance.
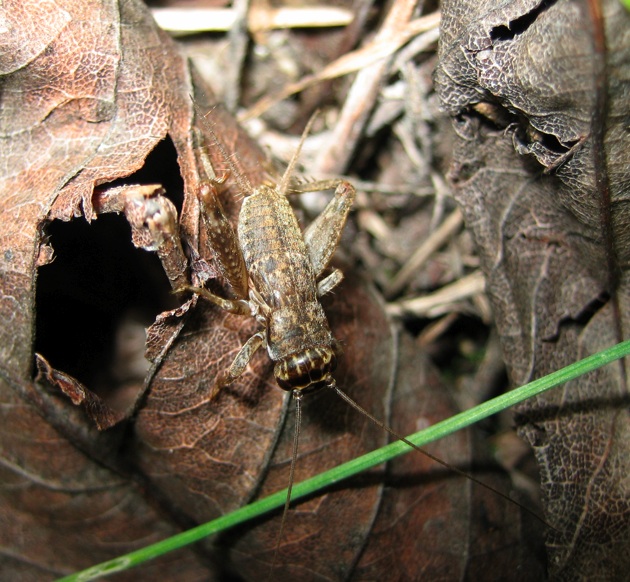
(360, 529)
(101, 414)
(437, 523)
(83, 103)
(87, 102)
(521, 80)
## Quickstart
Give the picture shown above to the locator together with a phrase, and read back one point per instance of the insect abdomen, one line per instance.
(306, 370)
(274, 251)
(298, 335)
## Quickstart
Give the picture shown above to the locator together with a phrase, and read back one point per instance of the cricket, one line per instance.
(275, 272)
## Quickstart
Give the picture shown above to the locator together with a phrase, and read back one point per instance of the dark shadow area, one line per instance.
(97, 296)
(161, 168)
(521, 24)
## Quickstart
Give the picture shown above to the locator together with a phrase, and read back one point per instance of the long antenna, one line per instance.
(391, 431)
(286, 177)
(297, 397)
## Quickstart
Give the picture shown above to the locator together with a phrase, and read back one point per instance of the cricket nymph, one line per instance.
(298, 339)
(275, 271)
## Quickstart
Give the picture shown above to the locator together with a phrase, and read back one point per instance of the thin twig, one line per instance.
(440, 302)
(445, 231)
(195, 20)
(237, 50)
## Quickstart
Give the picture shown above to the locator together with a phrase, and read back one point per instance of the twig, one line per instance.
(451, 225)
(358, 60)
(364, 91)
(439, 302)
(238, 43)
(195, 20)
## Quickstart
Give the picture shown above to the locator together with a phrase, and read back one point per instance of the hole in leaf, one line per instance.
(521, 24)
(94, 302)
(96, 298)
(161, 168)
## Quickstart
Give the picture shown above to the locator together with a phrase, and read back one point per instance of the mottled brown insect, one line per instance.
(275, 271)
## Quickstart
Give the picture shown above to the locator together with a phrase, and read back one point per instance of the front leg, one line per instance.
(327, 284)
(238, 306)
(322, 236)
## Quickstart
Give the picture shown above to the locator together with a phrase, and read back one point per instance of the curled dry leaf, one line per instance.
(102, 416)
(523, 83)
(86, 98)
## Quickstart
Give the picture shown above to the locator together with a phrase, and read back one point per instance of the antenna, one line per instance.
(297, 397)
(391, 431)
(286, 177)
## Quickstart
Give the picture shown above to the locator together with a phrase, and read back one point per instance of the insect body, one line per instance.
(273, 269)
(298, 337)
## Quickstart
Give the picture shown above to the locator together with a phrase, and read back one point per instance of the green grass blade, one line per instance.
(357, 465)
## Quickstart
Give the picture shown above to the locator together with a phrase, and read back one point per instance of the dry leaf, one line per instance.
(87, 97)
(521, 81)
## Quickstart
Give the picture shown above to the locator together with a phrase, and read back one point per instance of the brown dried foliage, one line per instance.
(540, 170)
(89, 95)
